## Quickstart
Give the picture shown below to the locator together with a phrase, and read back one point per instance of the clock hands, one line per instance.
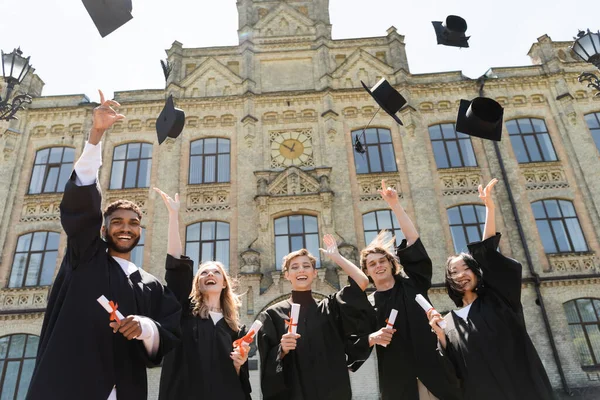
(293, 145)
(288, 147)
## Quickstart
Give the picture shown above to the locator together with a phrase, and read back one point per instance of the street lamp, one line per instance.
(587, 47)
(14, 69)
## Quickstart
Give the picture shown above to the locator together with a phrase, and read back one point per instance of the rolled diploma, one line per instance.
(425, 305)
(294, 317)
(256, 325)
(104, 303)
(391, 320)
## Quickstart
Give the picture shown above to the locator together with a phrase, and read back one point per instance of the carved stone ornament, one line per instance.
(349, 252)
(250, 262)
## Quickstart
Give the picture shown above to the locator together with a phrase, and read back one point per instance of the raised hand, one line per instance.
(104, 115)
(332, 248)
(485, 194)
(173, 205)
(388, 194)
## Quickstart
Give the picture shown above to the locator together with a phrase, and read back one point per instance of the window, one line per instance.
(466, 225)
(51, 170)
(209, 161)
(583, 316)
(137, 254)
(379, 155)
(558, 226)
(530, 140)
(593, 123)
(294, 233)
(451, 149)
(208, 241)
(35, 260)
(17, 359)
(376, 221)
(131, 166)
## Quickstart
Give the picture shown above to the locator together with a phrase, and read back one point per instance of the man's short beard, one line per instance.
(115, 247)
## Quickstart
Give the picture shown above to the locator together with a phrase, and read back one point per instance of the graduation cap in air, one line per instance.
(452, 33)
(170, 121)
(108, 15)
(480, 117)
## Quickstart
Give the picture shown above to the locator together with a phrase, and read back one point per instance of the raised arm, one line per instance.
(352, 270)
(485, 194)
(391, 198)
(174, 247)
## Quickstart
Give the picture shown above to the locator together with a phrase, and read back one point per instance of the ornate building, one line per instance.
(266, 165)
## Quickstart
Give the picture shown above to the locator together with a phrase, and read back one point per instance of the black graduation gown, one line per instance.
(318, 368)
(492, 352)
(79, 356)
(412, 352)
(200, 366)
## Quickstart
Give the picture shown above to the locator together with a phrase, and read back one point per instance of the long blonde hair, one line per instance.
(384, 243)
(230, 301)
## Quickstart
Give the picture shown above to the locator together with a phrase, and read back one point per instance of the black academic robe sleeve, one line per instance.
(416, 264)
(500, 273)
(81, 218)
(272, 366)
(244, 370)
(179, 277)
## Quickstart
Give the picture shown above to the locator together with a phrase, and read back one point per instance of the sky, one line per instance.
(69, 55)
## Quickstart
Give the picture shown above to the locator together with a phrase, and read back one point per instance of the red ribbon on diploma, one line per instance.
(113, 313)
(290, 323)
(247, 338)
(388, 324)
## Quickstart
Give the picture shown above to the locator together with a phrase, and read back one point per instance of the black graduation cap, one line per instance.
(453, 32)
(387, 97)
(108, 15)
(170, 121)
(481, 117)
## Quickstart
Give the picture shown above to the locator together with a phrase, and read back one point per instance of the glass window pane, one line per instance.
(210, 146)
(312, 245)
(592, 121)
(68, 155)
(546, 236)
(567, 208)
(387, 155)
(547, 148)
(439, 152)
(192, 232)
(208, 230)
(511, 127)
(532, 148)
(597, 307)
(116, 177)
(435, 132)
(593, 332)
(539, 125)
(197, 147)
(560, 235)
(374, 158)
(525, 125)
(51, 180)
(10, 380)
(571, 312)
(399, 236)
(369, 236)
(208, 252)
(552, 208)
(133, 151)
(130, 174)
(37, 179)
(385, 136)
(468, 214)
(384, 220)
(33, 269)
(63, 176)
(297, 243)
(538, 210)
(458, 237)
(310, 224)
(452, 147)
(519, 148)
(3, 347)
(369, 222)
(137, 256)
(586, 310)
(17, 346)
(467, 152)
(454, 216)
(146, 150)
(55, 155)
(576, 234)
(281, 226)
(360, 163)
(39, 241)
(281, 250)
(144, 174)
(210, 166)
(120, 152)
(41, 156)
(371, 136)
(473, 234)
(192, 250)
(296, 224)
(24, 242)
(223, 168)
(48, 268)
(25, 378)
(223, 145)
(448, 131)
(222, 230)
(222, 249)
(581, 345)
(196, 168)
(18, 270)
(480, 213)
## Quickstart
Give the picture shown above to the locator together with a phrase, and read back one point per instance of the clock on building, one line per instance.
(291, 147)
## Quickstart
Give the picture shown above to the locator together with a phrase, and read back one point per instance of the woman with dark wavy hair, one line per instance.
(485, 341)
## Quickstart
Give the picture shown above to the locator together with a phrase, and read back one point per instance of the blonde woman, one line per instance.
(205, 365)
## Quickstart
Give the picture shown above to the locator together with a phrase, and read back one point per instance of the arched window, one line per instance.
(593, 123)
(530, 140)
(558, 226)
(376, 221)
(583, 316)
(35, 259)
(131, 166)
(451, 149)
(17, 359)
(379, 155)
(137, 254)
(296, 232)
(51, 170)
(209, 161)
(466, 225)
(207, 241)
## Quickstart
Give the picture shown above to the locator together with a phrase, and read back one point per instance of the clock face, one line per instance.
(291, 148)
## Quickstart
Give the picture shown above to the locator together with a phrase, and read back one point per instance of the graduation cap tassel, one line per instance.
(358, 146)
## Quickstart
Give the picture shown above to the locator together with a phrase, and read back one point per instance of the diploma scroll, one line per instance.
(425, 305)
(111, 308)
(293, 322)
(248, 337)
(391, 321)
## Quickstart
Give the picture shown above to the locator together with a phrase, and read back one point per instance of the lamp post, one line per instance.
(14, 69)
(587, 47)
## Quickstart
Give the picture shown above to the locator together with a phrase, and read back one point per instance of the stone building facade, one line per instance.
(288, 84)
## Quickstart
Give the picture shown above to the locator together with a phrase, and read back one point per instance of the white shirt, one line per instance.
(215, 316)
(86, 169)
(463, 312)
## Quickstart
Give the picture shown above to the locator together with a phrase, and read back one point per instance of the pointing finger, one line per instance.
(112, 103)
(101, 96)
(383, 185)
